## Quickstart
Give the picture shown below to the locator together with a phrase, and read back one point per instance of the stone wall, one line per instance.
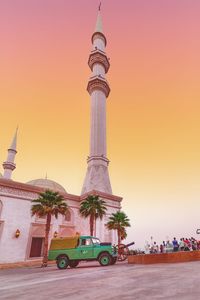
(175, 257)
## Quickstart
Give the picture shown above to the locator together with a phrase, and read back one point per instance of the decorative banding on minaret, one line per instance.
(98, 83)
(97, 177)
(9, 165)
(98, 57)
(98, 34)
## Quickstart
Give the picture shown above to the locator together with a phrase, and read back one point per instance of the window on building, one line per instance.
(68, 216)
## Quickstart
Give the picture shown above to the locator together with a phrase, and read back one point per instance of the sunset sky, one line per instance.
(153, 111)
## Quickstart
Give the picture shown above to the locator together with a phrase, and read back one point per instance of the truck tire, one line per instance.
(113, 260)
(62, 262)
(104, 259)
(73, 263)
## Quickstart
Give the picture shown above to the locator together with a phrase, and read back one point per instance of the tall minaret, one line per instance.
(9, 165)
(97, 177)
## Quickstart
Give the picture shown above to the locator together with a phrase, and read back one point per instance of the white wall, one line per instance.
(16, 215)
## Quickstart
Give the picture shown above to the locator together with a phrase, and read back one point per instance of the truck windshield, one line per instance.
(95, 241)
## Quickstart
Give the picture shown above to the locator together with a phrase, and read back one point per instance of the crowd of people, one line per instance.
(184, 244)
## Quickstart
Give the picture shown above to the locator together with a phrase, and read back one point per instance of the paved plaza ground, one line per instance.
(91, 281)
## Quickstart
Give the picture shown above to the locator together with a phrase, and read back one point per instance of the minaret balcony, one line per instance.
(99, 35)
(98, 159)
(98, 83)
(9, 165)
(98, 57)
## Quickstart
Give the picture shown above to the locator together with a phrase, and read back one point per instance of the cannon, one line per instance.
(123, 251)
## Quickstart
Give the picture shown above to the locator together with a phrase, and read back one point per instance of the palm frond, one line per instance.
(49, 202)
(118, 221)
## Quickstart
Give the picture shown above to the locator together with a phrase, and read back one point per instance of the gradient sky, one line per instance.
(153, 123)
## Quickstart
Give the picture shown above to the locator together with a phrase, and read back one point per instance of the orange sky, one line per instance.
(153, 124)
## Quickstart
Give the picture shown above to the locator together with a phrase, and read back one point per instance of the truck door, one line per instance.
(86, 248)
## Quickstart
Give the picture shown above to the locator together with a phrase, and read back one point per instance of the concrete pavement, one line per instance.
(22, 264)
(91, 281)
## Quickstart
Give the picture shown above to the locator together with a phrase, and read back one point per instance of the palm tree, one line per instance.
(47, 205)
(94, 208)
(119, 221)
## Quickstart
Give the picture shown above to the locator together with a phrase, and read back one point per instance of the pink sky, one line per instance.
(153, 109)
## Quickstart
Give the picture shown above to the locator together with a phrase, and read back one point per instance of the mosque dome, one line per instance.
(48, 184)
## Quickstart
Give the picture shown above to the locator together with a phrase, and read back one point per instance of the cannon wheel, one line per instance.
(122, 252)
(113, 260)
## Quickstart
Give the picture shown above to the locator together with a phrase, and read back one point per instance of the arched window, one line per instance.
(68, 216)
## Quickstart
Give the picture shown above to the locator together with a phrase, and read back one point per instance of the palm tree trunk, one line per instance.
(119, 237)
(46, 241)
(91, 225)
(95, 226)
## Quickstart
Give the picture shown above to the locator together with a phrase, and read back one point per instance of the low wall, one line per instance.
(182, 256)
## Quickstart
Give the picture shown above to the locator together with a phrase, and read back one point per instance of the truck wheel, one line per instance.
(104, 259)
(62, 262)
(73, 263)
(113, 260)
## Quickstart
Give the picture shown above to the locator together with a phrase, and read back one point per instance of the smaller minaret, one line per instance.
(9, 165)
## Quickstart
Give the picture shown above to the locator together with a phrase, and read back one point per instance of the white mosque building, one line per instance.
(22, 236)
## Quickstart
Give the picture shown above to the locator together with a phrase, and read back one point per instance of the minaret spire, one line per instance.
(97, 177)
(99, 26)
(9, 165)
(13, 145)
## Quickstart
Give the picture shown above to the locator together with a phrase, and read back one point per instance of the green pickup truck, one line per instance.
(69, 251)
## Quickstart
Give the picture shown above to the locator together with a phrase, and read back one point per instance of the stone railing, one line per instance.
(181, 256)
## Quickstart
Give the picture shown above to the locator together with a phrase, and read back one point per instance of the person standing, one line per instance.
(181, 244)
(175, 245)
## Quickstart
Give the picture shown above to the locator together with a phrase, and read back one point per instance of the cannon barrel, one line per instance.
(128, 245)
